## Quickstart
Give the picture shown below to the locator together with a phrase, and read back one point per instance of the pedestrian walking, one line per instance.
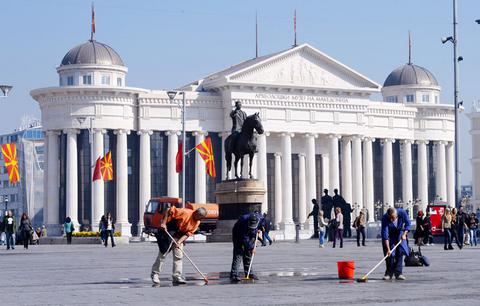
(322, 228)
(26, 230)
(244, 235)
(265, 227)
(473, 227)
(454, 229)
(327, 204)
(339, 227)
(109, 226)
(461, 225)
(347, 219)
(314, 213)
(419, 230)
(3, 239)
(359, 225)
(447, 229)
(427, 229)
(102, 229)
(181, 223)
(395, 228)
(10, 229)
(68, 228)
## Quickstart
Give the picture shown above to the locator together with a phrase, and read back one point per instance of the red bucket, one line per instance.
(346, 269)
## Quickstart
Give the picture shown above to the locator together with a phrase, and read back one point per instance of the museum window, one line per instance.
(70, 80)
(425, 98)
(392, 99)
(105, 80)
(87, 79)
(119, 81)
(158, 162)
(410, 98)
(436, 99)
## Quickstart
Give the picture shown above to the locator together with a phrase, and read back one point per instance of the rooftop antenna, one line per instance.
(295, 28)
(256, 35)
(409, 48)
(92, 32)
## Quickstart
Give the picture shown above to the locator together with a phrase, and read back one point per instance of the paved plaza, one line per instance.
(290, 274)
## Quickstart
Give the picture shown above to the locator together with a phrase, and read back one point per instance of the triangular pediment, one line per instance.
(302, 66)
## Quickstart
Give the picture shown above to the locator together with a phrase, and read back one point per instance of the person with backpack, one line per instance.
(68, 228)
(359, 225)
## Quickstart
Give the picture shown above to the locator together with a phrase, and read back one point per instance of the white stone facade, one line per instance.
(312, 107)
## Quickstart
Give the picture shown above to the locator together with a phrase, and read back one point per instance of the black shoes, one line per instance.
(235, 279)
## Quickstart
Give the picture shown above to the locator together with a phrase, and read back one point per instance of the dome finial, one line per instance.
(92, 32)
(409, 49)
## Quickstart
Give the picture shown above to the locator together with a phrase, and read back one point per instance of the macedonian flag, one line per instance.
(206, 152)
(106, 167)
(9, 152)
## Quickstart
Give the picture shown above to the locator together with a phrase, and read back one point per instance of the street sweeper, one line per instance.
(244, 237)
(176, 226)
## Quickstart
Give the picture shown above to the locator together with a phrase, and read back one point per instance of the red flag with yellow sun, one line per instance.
(9, 152)
(205, 150)
(106, 167)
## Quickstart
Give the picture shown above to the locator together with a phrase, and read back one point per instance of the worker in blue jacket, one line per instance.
(244, 233)
(395, 227)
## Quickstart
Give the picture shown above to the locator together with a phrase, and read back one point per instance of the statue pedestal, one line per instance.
(235, 198)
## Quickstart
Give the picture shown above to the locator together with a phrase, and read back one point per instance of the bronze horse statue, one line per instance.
(242, 143)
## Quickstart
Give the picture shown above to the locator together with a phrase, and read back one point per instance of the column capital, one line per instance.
(53, 133)
(441, 142)
(96, 130)
(450, 143)
(121, 131)
(347, 138)
(421, 141)
(277, 154)
(199, 133)
(148, 132)
(390, 140)
(353, 137)
(308, 135)
(407, 141)
(301, 155)
(331, 136)
(173, 132)
(71, 131)
(288, 134)
(368, 139)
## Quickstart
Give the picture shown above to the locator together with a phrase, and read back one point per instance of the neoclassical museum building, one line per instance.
(322, 127)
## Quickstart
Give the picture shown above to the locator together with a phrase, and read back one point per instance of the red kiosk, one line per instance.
(436, 212)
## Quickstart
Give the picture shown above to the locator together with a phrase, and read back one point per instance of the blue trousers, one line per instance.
(394, 264)
(473, 237)
(10, 240)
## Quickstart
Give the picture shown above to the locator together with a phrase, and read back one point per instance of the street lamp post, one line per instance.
(5, 90)
(171, 96)
(456, 59)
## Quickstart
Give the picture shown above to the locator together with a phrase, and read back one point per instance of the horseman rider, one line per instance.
(238, 117)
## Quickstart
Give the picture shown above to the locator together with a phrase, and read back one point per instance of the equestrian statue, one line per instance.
(242, 140)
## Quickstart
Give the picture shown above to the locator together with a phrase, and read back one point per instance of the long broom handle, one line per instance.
(384, 258)
(191, 261)
(253, 256)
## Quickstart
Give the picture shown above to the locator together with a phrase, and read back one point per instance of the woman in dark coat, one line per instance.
(419, 230)
(26, 230)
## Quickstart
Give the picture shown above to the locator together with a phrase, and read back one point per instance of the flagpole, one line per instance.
(184, 133)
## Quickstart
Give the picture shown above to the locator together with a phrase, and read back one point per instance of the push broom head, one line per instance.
(362, 280)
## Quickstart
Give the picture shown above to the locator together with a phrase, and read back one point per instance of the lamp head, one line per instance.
(477, 21)
(171, 94)
(445, 39)
(5, 89)
(460, 58)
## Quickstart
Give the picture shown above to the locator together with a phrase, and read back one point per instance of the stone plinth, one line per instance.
(235, 198)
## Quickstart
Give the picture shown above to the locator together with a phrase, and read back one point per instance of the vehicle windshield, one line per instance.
(151, 207)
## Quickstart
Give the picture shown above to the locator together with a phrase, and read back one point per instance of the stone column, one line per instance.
(287, 210)
(368, 191)
(346, 191)
(123, 226)
(145, 176)
(450, 174)
(441, 177)
(334, 167)
(311, 178)
(72, 177)
(98, 193)
(302, 191)
(200, 172)
(278, 190)
(357, 173)
(422, 174)
(52, 184)
(407, 183)
(172, 184)
(388, 197)
(262, 166)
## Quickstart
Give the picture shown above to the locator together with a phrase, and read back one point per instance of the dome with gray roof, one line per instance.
(410, 74)
(92, 52)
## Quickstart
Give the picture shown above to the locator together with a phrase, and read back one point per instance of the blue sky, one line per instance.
(166, 44)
